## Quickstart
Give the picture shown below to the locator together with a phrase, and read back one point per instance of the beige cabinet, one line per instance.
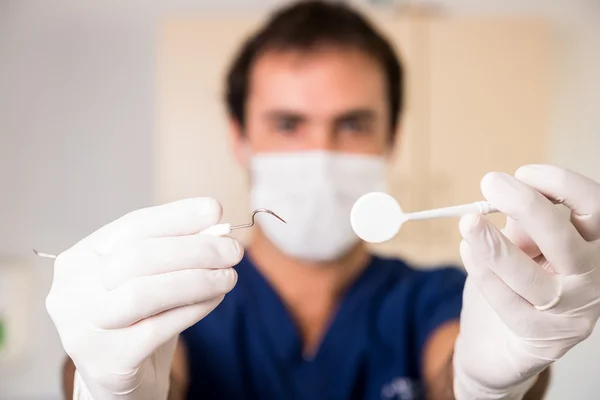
(477, 94)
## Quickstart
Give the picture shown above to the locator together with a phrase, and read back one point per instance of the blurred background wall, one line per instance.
(77, 118)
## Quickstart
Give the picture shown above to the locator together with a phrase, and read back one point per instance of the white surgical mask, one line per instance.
(314, 191)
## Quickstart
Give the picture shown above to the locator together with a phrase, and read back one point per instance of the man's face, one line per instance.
(327, 99)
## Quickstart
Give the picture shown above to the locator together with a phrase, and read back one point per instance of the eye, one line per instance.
(287, 124)
(353, 125)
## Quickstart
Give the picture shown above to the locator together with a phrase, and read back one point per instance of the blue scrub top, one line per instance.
(249, 347)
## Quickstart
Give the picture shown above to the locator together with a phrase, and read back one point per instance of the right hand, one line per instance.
(532, 293)
(121, 296)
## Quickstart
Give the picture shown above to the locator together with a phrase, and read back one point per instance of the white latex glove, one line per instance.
(504, 340)
(121, 296)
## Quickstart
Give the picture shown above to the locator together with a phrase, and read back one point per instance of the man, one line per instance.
(314, 99)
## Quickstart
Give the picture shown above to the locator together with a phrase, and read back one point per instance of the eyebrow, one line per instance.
(279, 114)
(358, 113)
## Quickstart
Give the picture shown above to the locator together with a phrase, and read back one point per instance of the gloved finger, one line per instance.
(146, 296)
(580, 193)
(183, 217)
(150, 333)
(167, 254)
(491, 250)
(520, 238)
(508, 305)
(555, 236)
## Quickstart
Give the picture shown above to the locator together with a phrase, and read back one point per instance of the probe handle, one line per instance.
(217, 230)
(479, 207)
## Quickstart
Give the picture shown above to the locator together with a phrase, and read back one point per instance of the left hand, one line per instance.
(542, 256)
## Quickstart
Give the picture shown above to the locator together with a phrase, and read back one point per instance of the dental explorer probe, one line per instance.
(216, 230)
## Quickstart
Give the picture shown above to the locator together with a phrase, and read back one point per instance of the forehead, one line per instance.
(325, 80)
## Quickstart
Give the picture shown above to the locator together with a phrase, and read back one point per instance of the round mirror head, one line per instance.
(376, 217)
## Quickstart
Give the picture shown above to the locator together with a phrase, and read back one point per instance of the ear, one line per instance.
(239, 142)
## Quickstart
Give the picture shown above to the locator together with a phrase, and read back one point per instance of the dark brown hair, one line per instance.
(304, 26)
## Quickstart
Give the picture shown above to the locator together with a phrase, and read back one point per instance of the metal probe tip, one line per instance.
(268, 212)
